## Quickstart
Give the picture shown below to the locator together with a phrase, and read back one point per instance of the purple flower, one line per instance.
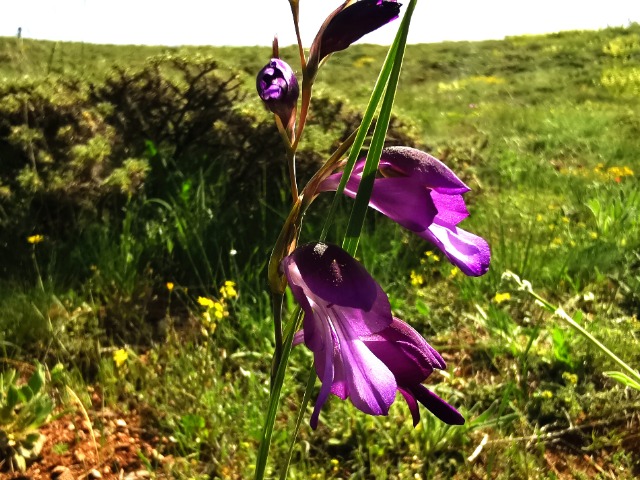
(349, 23)
(361, 351)
(423, 195)
(278, 87)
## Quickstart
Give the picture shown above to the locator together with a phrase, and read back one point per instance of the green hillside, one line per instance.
(135, 181)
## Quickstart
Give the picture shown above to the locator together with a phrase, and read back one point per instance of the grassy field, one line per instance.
(141, 228)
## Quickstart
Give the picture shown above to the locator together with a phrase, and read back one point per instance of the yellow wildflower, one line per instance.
(546, 394)
(454, 272)
(571, 378)
(501, 297)
(432, 256)
(33, 239)
(593, 235)
(228, 290)
(120, 357)
(170, 286)
(206, 302)
(416, 279)
(219, 311)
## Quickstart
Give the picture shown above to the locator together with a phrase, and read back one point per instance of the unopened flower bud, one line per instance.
(278, 87)
(347, 24)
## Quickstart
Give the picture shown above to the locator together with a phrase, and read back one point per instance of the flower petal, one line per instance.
(405, 352)
(422, 167)
(362, 376)
(333, 275)
(437, 406)
(451, 208)
(469, 252)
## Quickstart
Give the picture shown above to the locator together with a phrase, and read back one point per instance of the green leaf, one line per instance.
(359, 210)
(13, 397)
(624, 379)
(36, 382)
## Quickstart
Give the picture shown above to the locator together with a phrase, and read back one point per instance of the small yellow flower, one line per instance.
(120, 357)
(546, 394)
(593, 235)
(170, 286)
(539, 218)
(571, 378)
(416, 279)
(454, 272)
(206, 302)
(228, 290)
(432, 256)
(566, 220)
(501, 297)
(33, 239)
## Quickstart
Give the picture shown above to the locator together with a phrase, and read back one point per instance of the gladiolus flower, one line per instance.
(361, 351)
(278, 87)
(423, 195)
(347, 24)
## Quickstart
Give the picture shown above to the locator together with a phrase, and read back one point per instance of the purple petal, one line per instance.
(451, 208)
(405, 352)
(335, 276)
(423, 168)
(366, 380)
(325, 370)
(402, 200)
(469, 252)
(437, 406)
(413, 405)
(347, 25)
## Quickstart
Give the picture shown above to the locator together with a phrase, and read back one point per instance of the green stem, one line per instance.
(311, 381)
(276, 305)
(358, 212)
(575, 325)
(274, 396)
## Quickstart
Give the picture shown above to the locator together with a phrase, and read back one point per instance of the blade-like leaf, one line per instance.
(624, 379)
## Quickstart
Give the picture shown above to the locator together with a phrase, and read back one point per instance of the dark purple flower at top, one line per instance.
(278, 87)
(361, 351)
(423, 195)
(348, 24)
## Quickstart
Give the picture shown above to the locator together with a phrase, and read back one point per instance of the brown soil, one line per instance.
(112, 446)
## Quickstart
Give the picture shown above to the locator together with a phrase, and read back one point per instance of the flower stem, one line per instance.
(526, 286)
(296, 25)
(276, 306)
(304, 111)
(274, 396)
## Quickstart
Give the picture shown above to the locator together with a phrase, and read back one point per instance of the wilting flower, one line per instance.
(423, 195)
(278, 87)
(348, 23)
(361, 351)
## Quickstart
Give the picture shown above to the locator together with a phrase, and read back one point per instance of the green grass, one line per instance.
(542, 129)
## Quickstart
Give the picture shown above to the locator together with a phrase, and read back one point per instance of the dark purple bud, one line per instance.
(347, 25)
(278, 87)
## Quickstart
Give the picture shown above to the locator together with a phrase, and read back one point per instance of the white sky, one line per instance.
(254, 22)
